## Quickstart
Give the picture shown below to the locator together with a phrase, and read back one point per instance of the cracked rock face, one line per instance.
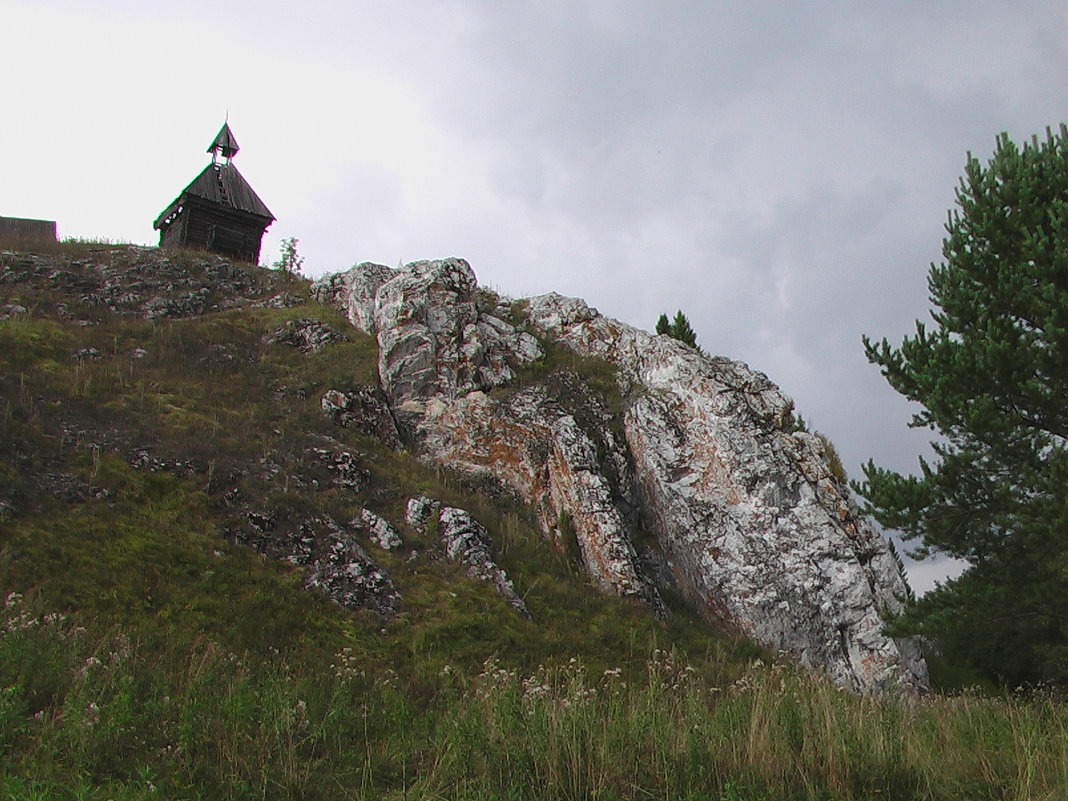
(435, 343)
(756, 530)
(746, 516)
(576, 478)
(440, 354)
(353, 291)
(378, 530)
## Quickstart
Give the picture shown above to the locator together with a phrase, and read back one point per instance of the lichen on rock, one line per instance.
(378, 530)
(344, 572)
(363, 409)
(306, 335)
(334, 563)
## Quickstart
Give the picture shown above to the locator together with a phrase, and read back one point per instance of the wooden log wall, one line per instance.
(27, 230)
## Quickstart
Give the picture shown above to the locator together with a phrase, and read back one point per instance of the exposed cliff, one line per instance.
(686, 472)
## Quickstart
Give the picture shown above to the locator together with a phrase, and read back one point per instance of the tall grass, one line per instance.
(98, 717)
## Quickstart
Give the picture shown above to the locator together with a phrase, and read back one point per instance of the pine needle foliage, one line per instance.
(991, 375)
(677, 328)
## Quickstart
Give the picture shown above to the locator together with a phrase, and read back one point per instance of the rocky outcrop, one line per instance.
(334, 562)
(443, 346)
(353, 291)
(758, 532)
(362, 409)
(305, 334)
(344, 468)
(11, 310)
(138, 281)
(576, 477)
(700, 454)
(345, 573)
(466, 541)
(378, 530)
(434, 341)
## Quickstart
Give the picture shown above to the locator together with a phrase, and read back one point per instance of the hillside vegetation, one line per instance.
(151, 406)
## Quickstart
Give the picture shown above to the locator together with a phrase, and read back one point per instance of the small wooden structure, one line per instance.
(27, 230)
(218, 211)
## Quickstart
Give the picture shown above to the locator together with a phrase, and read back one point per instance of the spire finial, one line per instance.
(225, 143)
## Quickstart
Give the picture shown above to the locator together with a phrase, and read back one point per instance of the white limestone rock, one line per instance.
(466, 541)
(433, 338)
(378, 530)
(756, 530)
(750, 521)
(353, 291)
(538, 451)
(438, 357)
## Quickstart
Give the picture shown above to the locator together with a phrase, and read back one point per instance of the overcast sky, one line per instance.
(779, 171)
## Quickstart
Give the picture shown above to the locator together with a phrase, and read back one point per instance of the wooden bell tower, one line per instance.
(218, 211)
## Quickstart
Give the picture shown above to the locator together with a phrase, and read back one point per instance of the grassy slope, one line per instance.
(188, 667)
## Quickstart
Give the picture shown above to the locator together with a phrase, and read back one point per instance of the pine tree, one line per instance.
(679, 328)
(910, 596)
(992, 378)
